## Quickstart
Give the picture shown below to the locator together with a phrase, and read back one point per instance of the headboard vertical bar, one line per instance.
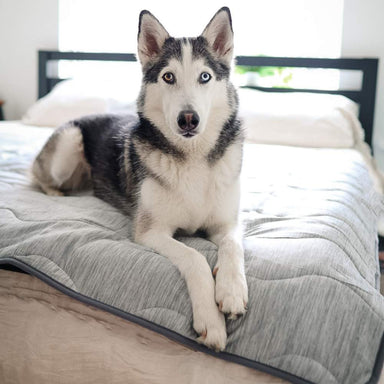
(43, 81)
(368, 94)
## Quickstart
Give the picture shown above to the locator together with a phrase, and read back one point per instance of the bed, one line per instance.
(75, 308)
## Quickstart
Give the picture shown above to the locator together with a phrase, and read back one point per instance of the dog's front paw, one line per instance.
(210, 325)
(53, 191)
(231, 289)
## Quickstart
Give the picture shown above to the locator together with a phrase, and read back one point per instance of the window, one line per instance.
(275, 28)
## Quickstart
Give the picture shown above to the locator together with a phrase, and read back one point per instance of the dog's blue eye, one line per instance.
(169, 78)
(205, 77)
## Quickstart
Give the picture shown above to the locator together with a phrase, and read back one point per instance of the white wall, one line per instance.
(25, 27)
(363, 36)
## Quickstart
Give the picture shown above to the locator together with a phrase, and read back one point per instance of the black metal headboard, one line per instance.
(364, 97)
(46, 83)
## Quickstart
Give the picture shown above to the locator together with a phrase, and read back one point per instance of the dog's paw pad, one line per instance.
(233, 316)
(53, 192)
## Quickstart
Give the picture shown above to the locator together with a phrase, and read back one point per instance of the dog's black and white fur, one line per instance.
(175, 166)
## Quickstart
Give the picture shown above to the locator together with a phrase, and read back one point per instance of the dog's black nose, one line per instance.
(188, 120)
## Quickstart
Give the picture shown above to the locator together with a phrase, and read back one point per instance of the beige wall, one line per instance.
(25, 27)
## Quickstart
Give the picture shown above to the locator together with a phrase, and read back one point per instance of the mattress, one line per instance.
(310, 236)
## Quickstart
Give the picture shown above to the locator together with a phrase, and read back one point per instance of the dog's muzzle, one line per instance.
(188, 122)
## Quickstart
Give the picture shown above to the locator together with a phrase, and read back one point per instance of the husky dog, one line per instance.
(174, 166)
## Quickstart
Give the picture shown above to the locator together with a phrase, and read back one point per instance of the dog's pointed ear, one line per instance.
(219, 34)
(151, 37)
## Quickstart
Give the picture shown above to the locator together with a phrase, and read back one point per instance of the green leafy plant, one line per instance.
(281, 76)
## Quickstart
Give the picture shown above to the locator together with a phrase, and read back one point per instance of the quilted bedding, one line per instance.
(310, 217)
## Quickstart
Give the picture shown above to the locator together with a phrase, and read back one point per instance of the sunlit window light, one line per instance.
(298, 28)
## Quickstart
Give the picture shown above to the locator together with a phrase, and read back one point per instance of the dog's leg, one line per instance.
(231, 284)
(61, 162)
(208, 321)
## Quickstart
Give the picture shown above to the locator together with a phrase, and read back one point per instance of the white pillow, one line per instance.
(300, 119)
(71, 99)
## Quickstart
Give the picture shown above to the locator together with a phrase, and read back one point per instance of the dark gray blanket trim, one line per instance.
(13, 265)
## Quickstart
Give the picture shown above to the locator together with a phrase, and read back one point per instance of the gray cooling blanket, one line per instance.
(310, 215)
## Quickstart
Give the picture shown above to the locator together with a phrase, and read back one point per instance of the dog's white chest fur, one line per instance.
(191, 192)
